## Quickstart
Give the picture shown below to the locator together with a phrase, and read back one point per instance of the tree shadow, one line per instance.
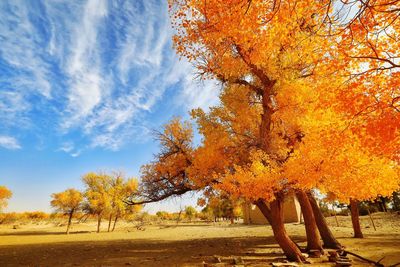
(141, 252)
(35, 233)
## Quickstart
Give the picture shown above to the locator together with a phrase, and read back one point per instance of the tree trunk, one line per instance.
(98, 222)
(109, 223)
(372, 220)
(384, 204)
(326, 234)
(355, 220)
(69, 221)
(313, 238)
(115, 222)
(274, 215)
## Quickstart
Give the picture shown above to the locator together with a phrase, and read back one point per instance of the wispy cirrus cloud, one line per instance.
(9, 142)
(18, 36)
(83, 67)
(95, 70)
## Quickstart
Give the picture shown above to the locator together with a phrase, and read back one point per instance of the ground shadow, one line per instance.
(33, 233)
(140, 252)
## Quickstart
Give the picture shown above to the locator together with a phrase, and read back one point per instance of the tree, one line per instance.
(5, 194)
(68, 201)
(166, 175)
(120, 191)
(96, 194)
(190, 212)
(278, 51)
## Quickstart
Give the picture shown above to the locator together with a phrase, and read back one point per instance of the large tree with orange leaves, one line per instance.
(281, 52)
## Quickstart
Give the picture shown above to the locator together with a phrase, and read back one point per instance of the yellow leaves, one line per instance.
(261, 178)
(67, 200)
(107, 193)
(324, 131)
(5, 194)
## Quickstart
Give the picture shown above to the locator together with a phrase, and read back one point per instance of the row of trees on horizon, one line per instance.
(104, 195)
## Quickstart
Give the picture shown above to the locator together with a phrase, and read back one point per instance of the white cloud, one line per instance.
(67, 147)
(113, 63)
(13, 107)
(85, 79)
(195, 93)
(9, 142)
(21, 48)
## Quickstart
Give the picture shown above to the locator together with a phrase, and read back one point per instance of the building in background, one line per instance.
(291, 212)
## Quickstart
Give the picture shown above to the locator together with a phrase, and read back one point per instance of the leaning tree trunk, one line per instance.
(355, 219)
(98, 222)
(69, 221)
(274, 215)
(115, 222)
(109, 223)
(313, 237)
(326, 234)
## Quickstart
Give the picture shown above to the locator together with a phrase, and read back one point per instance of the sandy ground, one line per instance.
(183, 245)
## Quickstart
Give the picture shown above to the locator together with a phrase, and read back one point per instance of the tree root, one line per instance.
(376, 263)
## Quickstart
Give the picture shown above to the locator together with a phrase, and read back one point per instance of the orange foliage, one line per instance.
(297, 110)
(5, 194)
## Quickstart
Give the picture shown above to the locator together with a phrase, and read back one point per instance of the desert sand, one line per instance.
(186, 244)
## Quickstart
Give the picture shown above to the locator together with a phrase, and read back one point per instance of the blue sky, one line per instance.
(82, 85)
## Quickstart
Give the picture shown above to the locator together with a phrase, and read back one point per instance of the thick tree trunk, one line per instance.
(98, 222)
(69, 221)
(326, 234)
(115, 222)
(355, 218)
(274, 215)
(313, 238)
(109, 223)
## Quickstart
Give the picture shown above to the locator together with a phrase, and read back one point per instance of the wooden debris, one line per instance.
(333, 256)
(217, 259)
(238, 261)
(376, 263)
(314, 253)
(342, 263)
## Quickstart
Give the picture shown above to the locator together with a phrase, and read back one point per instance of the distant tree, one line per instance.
(68, 201)
(5, 194)
(190, 212)
(396, 201)
(97, 195)
(163, 215)
(121, 190)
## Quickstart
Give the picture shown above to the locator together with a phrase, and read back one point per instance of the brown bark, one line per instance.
(109, 223)
(372, 220)
(98, 222)
(313, 237)
(115, 222)
(326, 234)
(384, 204)
(69, 221)
(355, 220)
(337, 222)
(274, 215)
